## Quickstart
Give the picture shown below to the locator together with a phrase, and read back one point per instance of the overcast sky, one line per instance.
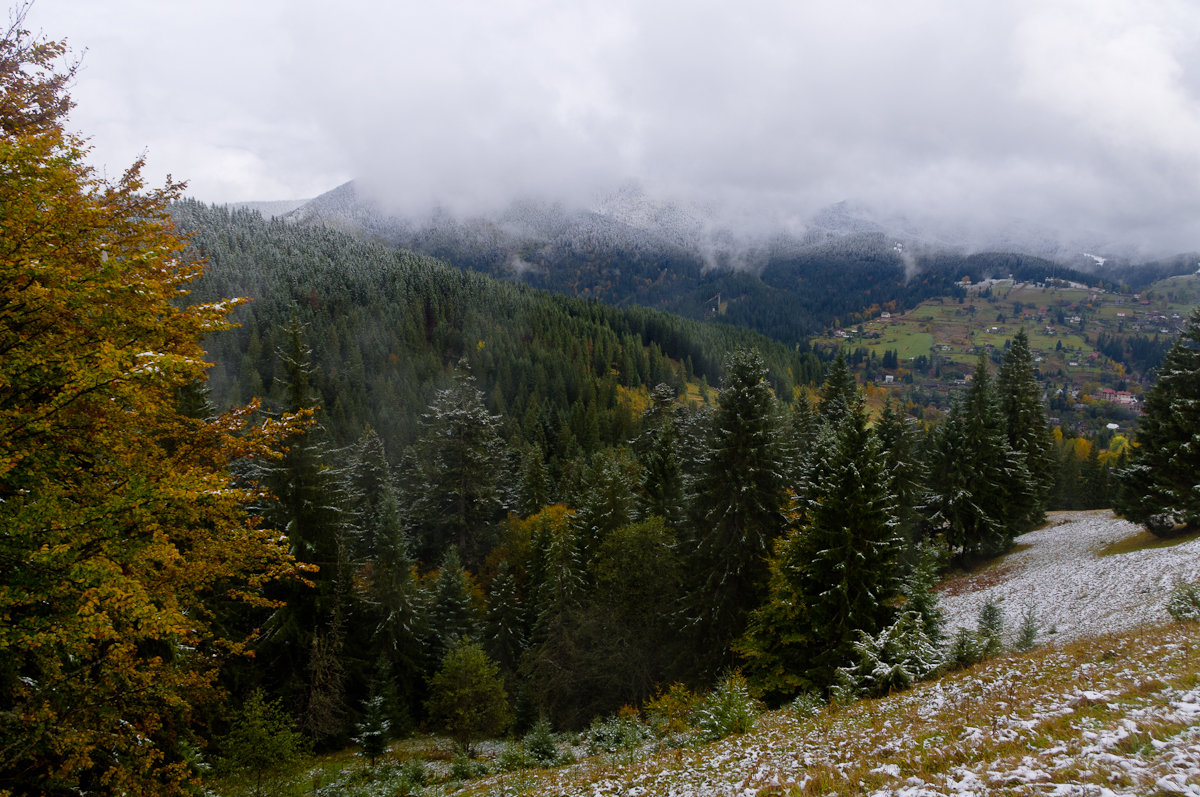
(1079, 115)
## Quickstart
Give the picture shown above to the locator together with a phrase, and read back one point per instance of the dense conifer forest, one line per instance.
(598, 498)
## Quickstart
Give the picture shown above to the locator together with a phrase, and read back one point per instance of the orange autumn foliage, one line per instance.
(122, 533)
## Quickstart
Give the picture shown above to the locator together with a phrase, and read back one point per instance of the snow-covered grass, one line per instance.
(1113, 715)
(1110, 707)
(1061, 572)
(1107, 704)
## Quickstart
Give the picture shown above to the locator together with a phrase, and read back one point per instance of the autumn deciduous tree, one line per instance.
(121, 535)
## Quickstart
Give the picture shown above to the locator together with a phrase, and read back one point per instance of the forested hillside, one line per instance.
(386, 327)
(637, 252)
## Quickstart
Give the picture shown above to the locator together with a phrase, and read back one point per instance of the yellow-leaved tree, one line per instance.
(123, 538)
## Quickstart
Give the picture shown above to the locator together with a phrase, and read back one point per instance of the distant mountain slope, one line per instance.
(844, 265)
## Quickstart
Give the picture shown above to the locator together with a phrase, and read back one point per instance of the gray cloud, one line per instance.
(1078, 117)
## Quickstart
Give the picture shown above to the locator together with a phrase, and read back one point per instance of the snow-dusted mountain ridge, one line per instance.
(630, 218)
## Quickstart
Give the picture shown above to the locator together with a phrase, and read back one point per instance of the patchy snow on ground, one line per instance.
(1105, 715)
(1074, 591)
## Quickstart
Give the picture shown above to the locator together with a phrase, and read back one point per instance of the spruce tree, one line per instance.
(453, 612)
(393, 604)
(372, 732)
(964, 519)
(658, 450)
(905, 471)
(534, 492)
(979, 493)
(467, 696)
(1158, 487)
(1026, 424)
(505, 639)
(839, 393)
(835, 575)
(303, 639)
(609, 498)
(368, 484)
(458, 460)
(738, 508)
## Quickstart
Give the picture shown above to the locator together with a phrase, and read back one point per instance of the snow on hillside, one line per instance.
(1105, 715)
(1075, 592)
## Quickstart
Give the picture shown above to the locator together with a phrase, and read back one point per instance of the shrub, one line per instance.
(1027, 634)
(892, 660)
(671, 712)
(991, 630)
(261, 739)
(467, 697)
(624, 732)
(463, 767)
(514, 756)
(413, 772)
(965, 650)
(806, 704)
(540, 746)
(727, 710)
(1184, 603)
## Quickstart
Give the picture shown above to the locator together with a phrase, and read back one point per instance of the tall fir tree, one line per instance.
(738, 504)
(898, 437)
(1158, 486)
(835, 574)
(658, 450)
(979, 493)
(454, 611)
(800, 438)
(303, 641)
(394, 607)
(609, 498)
(534, 493)
(1026, 424)
(368, 484)
(839, 392)
(505, 638)
(456, 498)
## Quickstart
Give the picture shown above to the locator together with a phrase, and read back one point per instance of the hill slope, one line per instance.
(1105, 714)
(839, 267)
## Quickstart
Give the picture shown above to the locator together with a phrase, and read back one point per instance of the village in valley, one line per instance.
(1094, 347)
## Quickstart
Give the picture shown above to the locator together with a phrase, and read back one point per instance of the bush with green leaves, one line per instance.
(515, 757)
(806, 704)
(541, 746)
(389, 778)
(890, 661)
(1027, 633)
(467, 698)
(413, 774)
(728, 710)
(990, 630)
(965, 650)
(621, 733)
(670, 713)
(262, 738)
(463, 767)
(1184, 603)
